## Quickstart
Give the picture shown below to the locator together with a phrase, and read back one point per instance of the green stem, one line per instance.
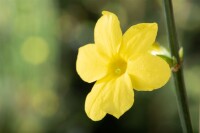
(178, 76)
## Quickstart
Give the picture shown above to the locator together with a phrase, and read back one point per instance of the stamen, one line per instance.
(117, 66)
(118, 71)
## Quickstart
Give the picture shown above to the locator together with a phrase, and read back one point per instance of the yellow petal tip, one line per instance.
(154, 25)
(106, 13)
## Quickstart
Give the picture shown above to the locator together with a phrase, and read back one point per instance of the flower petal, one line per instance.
(148, 72)
(114, 97)
(118, 96)
(138, 39)
(91, 64)
(93, 103)
(107, 32)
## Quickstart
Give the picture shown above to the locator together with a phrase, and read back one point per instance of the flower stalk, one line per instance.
(178, 75)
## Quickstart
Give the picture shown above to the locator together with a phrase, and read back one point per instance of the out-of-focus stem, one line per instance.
(178, 75)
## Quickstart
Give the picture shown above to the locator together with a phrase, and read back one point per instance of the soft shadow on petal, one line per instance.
(112, 96)
(148, 72)
(93, 103)
(107, 32)
(118, 96)
(138, 39)
(91, 64)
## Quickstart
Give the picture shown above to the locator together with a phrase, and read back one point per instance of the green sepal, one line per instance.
(172, 61)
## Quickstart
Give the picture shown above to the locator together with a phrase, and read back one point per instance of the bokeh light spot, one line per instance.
(35, 50)
(46, 103)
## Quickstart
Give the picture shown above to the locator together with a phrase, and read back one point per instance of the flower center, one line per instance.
(118, 71)
(117, 66)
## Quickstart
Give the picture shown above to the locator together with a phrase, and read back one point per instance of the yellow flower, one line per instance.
(119, 64)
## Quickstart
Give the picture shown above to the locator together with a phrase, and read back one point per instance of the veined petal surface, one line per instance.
(114, 97)
(107, 32)
(91, 64)
(148, 72)
(119, 96)
(138, 39)
(93, 103)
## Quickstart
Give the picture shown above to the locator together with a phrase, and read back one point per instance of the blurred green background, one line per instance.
(40, 91)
